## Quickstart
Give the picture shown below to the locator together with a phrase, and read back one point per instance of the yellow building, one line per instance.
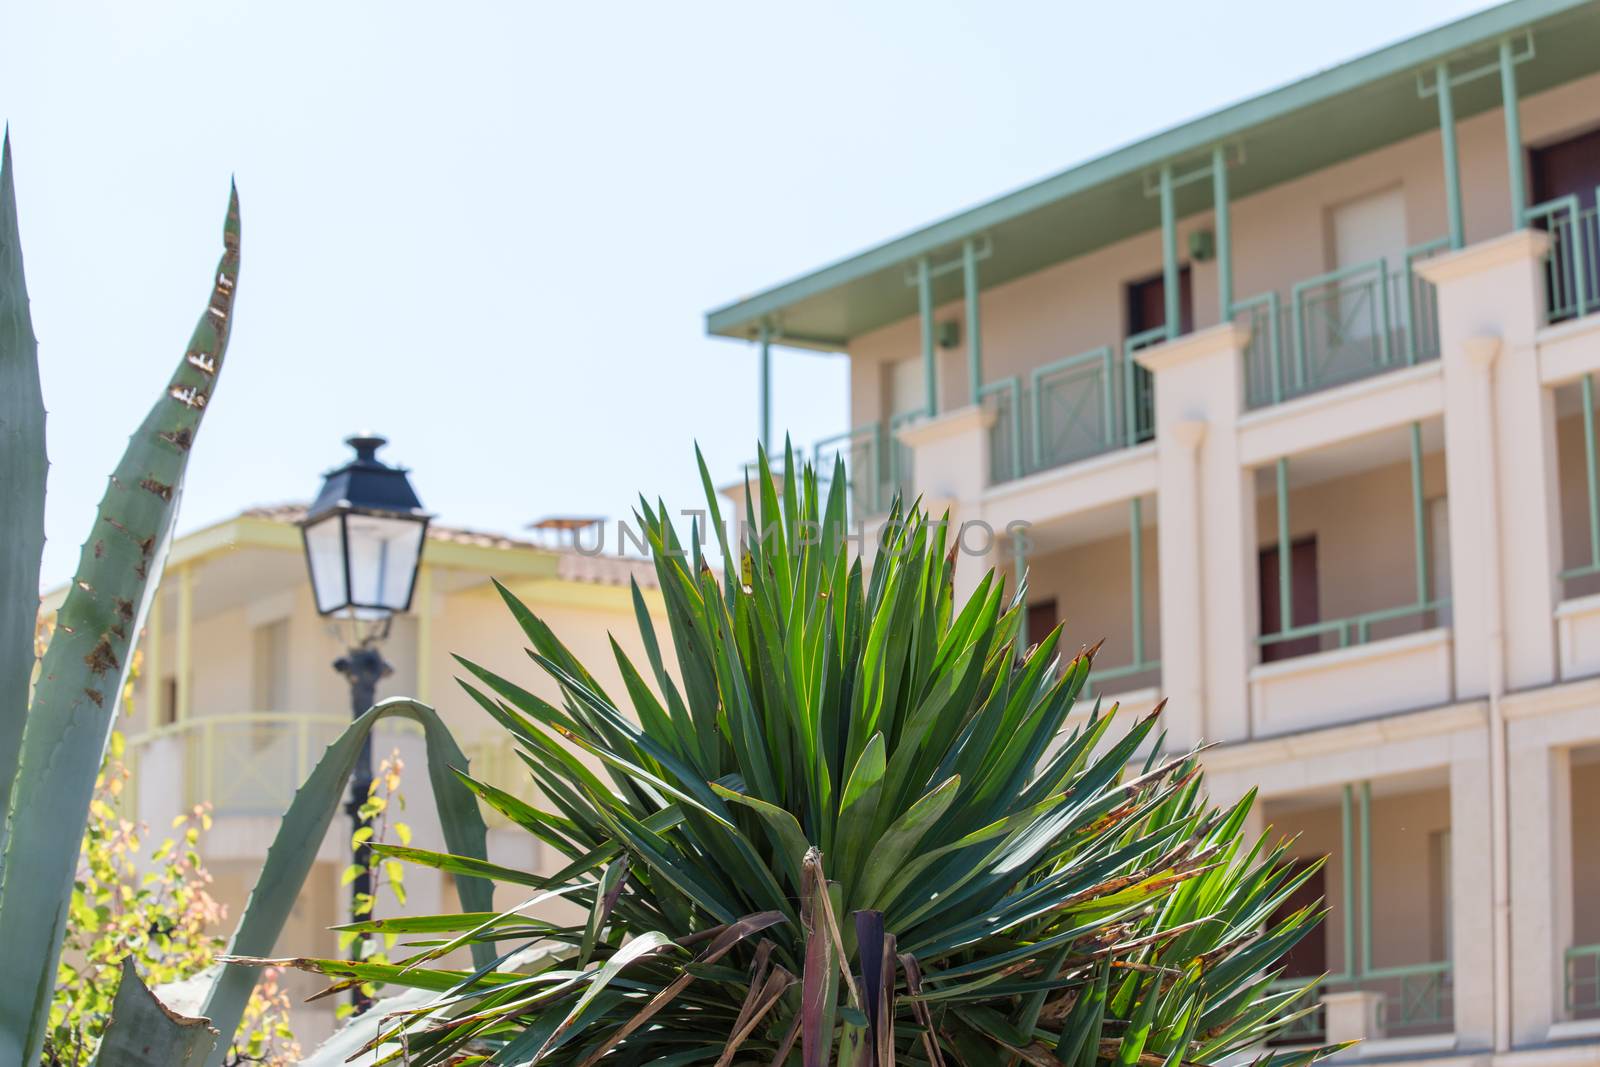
(237, 697)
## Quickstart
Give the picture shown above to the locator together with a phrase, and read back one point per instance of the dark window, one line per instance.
(169, 701)
(1570, 166)
(1309, 956)
(1303, 598)
(1147, 304)
(1041, 620)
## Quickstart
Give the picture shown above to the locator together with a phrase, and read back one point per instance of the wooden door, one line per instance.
(1147, 303)
(1309, 957)
(1302, 596)
(1042, 619)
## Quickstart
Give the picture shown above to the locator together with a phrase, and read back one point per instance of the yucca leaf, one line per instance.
(294, 851)
(81, 677)
(22, 480)
(141, 1030)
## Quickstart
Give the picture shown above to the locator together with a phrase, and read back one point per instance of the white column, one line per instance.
(1494, 291)
(185, 664)
(950, 471)
(1199, 379)
(1183, 673)
(1541, 880)
(1471, 894)
(1352, 1015)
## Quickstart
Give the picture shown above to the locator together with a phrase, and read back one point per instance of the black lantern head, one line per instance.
(363, 537)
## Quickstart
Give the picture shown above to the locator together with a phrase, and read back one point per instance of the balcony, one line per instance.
(877, 465)
(1095, 573)
(1572, 270)
(1347, 632)
(1071, 409)
(1385, 947)
(1339, 327)
(242, 764)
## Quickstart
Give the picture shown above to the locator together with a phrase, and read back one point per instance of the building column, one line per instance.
(1207, 515)
(185, 660)
(1471, 894)
(1452, 166)
(1169, 254)
(950, 471)
(1224, 228)
(930, 369)
(151, 667)
(1490, 300)
(1183, 666)
(1541, 881)
(766, 387)
(423, 606)
(969, 282)
(1514, 163)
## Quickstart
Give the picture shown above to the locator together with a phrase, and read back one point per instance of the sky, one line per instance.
(490, 231)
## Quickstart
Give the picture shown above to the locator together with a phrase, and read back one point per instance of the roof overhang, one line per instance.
(1336, 114)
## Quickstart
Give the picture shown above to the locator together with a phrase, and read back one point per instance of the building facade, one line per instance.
(236, 697)
(1297, 401)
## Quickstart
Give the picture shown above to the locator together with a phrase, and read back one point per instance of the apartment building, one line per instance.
(236, 698)
(1297, 400)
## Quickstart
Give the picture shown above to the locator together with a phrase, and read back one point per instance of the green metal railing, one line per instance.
(1139, 663)
(247, 763)
(1339, 327)
(1071, 409)
(877, 465)
(1354, 629)
(1417, 997)
(1572, 269)
(1582, 993)
(1591, 472)
(1311, 1028)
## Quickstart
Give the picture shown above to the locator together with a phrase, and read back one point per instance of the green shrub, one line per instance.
(851, 824)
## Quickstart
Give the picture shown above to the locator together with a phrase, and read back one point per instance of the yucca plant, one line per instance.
(856, 824)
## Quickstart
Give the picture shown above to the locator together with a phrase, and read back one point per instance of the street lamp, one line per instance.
(363, 539)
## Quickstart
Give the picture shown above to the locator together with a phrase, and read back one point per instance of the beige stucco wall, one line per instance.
(1586, 849)
(1364, 530)
(1281, 235)
(1092, 587)
(1408, 920)
(472, 621)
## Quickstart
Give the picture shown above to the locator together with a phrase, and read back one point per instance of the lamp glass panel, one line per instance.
(325, 557)
(384, 553)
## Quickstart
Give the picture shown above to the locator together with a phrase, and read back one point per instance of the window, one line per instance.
(270, 678)
(907, 393)
(167, 712)
(1303, 599)
(1042, 619)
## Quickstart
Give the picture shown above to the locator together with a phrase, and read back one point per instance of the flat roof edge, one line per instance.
(736, 318)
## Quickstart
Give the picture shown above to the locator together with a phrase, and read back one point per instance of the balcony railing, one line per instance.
(876, 464)
(1339, 327)
(1071, 409)
(1572, 270)
(248, 763)
(1416, 999)
(1582, 965)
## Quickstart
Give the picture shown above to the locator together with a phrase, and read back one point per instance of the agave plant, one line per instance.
(856, 824)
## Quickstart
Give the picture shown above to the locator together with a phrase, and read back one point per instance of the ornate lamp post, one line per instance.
(363, 538)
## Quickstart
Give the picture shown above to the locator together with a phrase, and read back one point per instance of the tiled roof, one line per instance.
(574, 566)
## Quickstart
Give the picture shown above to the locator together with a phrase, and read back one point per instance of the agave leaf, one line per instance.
(69, 722)
(22, 478)
(304, 825)
(142, 1030)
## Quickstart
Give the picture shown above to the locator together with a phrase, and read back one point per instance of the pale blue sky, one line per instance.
(490, 231)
